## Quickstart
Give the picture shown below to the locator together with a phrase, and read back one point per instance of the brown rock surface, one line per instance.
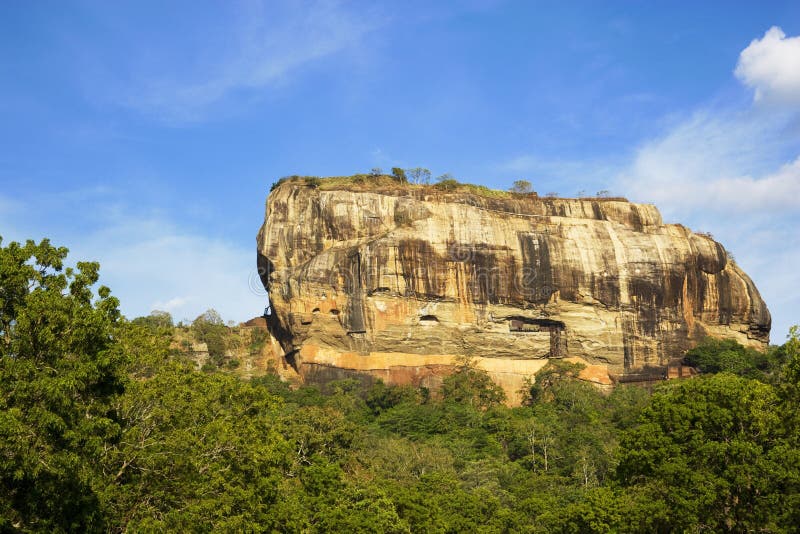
(398, 281)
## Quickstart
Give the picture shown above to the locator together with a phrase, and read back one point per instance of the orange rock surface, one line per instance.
(398, 282)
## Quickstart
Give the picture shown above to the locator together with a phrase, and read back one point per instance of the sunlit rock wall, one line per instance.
(397, 282)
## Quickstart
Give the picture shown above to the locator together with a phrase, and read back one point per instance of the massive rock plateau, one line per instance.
(401, 281)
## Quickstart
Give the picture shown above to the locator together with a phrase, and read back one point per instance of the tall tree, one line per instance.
(713, 450)
(59, 374)
(419, 175)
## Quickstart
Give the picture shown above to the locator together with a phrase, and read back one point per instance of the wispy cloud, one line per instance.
(170, 305)
(154, 265)
(271, 45)
(734, 157)
(729, 169)
(147, 259)
(736, 172)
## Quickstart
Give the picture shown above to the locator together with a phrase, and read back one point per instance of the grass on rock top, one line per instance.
(388, 183)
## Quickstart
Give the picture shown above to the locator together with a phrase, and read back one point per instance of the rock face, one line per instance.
(398, 282)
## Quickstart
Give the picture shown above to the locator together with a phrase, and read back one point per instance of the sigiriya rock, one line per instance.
(401, 281)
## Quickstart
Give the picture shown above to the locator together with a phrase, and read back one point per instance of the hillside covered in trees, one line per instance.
(106, 426)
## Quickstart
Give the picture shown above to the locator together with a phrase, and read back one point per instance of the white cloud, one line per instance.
(170, 305)
(771, 66)
(718, 161)
(270, 45)
(736, 173)
(777, 191)
(147, 260)
(144, 261)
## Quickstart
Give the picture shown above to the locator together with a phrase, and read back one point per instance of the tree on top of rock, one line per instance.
(521, 187)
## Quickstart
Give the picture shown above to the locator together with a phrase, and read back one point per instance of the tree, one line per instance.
(788, 453)
(210, 317)
(199, 453)
(375, 172)
(357, 510)
(521, 187)
(381, 397)
(473, 386)
(727, 355)
(419, 175)
(211, 330)
(399, 175)
(553, 381)
(446, 182)
(791, 370)
(540, 436)
(60, 371)
(156, 319)
(712, 449)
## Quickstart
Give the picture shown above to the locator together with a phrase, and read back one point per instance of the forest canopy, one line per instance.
(104, 427)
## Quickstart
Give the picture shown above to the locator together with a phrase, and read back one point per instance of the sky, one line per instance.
(145, 135)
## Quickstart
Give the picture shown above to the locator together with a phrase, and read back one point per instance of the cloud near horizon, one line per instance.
(191, 273)
(736, 159)
(148, 261)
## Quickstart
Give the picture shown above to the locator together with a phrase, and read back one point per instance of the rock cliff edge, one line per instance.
(399, 281)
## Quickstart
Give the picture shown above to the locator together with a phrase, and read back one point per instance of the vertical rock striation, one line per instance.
(398, 281)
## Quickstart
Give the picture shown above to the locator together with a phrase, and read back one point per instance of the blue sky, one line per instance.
(146, 135)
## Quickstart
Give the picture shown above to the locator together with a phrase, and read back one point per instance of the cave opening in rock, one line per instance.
(556, 330)
(528, 324)
(428, 319)
(379, 290)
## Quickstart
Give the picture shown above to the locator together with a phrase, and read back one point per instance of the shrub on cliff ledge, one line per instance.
(522, 187)
(399, 175)
(447, 182)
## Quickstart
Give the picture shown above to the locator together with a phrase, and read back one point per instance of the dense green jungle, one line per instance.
(105, 427)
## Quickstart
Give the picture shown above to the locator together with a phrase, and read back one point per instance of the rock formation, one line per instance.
(398, 281)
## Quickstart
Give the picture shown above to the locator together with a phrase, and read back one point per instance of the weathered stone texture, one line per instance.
(398, 282)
